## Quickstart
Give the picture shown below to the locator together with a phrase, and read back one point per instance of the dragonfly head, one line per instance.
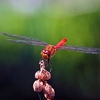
(45, 54)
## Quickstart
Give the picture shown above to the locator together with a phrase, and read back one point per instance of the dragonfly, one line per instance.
(50, 50)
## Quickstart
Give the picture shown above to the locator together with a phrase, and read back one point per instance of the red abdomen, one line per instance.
(61, 43)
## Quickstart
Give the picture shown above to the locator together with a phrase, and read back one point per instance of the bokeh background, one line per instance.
(75, 75)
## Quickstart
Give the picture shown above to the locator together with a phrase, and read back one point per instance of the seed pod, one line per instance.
(37, 74)
(38, 86)
(49, 92)
(46, 75)
(43, 74)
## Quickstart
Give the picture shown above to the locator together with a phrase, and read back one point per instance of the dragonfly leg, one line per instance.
(50, 63)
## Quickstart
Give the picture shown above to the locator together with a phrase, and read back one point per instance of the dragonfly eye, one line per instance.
(46, 52)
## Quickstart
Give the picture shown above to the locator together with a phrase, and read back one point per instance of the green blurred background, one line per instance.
(75, 75)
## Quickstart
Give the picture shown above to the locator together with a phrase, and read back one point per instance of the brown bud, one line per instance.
(49, 92)
(47, 75)
(38, 86)
(37, 74)
(42, 63)
(43, 74)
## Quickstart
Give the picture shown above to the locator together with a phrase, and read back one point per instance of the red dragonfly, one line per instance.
(33, 41)
(50, 50)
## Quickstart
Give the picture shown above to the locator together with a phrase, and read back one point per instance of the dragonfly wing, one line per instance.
(28, 42)
(22, 37)
(82, 49)
(25, 40)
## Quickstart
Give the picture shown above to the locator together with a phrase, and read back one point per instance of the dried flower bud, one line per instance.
(42, 63)
(47, 75)
(43, 74)
(37, 74)
(38, 86)
(49, 92)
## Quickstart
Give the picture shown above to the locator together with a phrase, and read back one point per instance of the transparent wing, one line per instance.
(33, 41)
(28, 42)
(82, 49)
(25, 40)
